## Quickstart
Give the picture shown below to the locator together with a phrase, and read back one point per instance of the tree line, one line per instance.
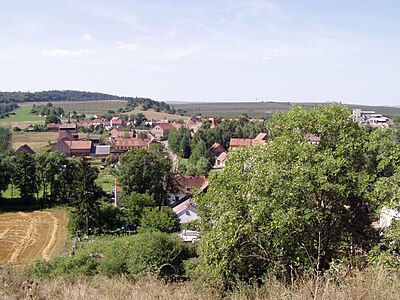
(71, 95)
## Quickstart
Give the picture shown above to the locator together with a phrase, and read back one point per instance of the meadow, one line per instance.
(22, 117)
(261, 109)
(39, 141)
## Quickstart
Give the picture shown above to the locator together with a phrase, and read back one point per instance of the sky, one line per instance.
(205, 50)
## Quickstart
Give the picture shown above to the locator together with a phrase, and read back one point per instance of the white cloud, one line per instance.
(66, 53)
(87, 37)
(125, 46)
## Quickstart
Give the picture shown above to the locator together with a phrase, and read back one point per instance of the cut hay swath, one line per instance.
(28, 236)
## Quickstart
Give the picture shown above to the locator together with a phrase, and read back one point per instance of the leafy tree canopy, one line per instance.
(293, 206)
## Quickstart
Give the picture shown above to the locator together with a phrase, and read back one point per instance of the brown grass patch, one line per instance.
(26, 237)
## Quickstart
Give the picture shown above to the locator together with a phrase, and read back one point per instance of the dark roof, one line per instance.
(25, 148)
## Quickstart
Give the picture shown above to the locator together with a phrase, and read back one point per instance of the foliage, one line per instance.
(292, 207)
(5, 175)
(163, 220)
(23, 174)
(6, 108)
(87, 192)
(5, 139)
(133, 207)
(138, 255)
(144, 171)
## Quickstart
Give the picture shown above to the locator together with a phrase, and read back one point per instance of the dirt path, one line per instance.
(26, 237)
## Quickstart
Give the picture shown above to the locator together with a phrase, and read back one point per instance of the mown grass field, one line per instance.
(38, 141)
(22, 117)
(261, 109)
(28, 236)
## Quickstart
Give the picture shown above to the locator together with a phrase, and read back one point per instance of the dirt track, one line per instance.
(28, 236)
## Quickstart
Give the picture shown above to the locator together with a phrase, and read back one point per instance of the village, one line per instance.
(112, 138)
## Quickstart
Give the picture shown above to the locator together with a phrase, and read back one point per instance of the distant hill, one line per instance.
(262, 109)
(71, 95)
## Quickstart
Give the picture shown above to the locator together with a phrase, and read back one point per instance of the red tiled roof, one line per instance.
(222, 157)
(166, 126)
(79, 145)
(187, 204)
(186, 183)
(261, 136)
(234, 142)
(133, 142)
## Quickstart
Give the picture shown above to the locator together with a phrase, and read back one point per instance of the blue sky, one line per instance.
(221, 50)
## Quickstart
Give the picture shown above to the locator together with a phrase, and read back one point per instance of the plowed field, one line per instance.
(28, 236)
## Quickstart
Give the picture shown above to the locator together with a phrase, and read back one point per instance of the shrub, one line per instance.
(154, 253)
(155, 219)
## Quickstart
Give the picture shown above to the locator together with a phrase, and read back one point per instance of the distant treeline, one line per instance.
(70, 95)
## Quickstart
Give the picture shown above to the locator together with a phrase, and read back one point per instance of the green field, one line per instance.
(22, 117)
(261, 109)
(90, 107)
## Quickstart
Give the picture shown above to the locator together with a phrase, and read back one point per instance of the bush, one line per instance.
(153, 253)
(164, 220)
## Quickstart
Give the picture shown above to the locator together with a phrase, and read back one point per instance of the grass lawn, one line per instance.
(105, 180)
(38, 141)
(22, 117)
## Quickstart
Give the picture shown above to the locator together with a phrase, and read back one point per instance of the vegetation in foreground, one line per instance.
(368, 285)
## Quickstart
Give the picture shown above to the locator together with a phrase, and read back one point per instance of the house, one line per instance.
(101, 150)
(185, 186)
(194, 123)
(237, 143)
(68, 127)
(66, 136)
(260, 139)
(120, 134)
(30, 127)
(312, 139)
(161, 130)
(216, 149)
(186, 211)
(123, 145)
(72, 148)
(117, 122)
(220, 161)
(25, 148)
(53, 127)
(95, 138)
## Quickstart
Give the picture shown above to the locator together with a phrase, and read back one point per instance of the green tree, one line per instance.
(87, 192)
(4, 175)
(134, 205)
(23, 174)
(143, 171)
(164, 220)
(292, 206)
